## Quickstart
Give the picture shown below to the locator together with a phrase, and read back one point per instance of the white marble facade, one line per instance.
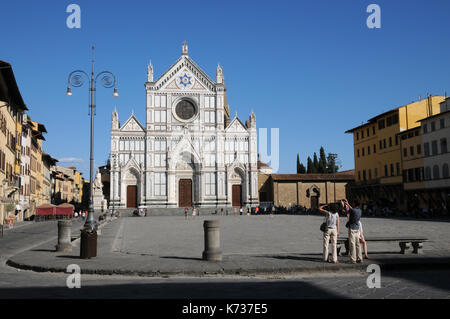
(188, 135)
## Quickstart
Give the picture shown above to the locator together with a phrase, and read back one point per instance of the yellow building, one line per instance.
(68, 185)
(378, 153)
(11, 111)
(37, 196)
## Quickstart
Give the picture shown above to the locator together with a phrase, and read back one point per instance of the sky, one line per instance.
(313, 68)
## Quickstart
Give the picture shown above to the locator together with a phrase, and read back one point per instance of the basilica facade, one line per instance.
(190, 152)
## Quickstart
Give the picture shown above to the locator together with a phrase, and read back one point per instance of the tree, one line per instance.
(322, 162)
(315, 164)
(331, 163)
(310, 168)
(300, 167)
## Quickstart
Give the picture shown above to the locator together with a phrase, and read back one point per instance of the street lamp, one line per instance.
(108, 80)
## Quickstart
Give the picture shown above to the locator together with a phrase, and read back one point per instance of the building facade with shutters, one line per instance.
(190, 152)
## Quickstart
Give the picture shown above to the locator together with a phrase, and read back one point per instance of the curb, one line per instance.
(389, 266)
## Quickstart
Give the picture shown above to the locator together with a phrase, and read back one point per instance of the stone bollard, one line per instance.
(212, 250)
(64, 236)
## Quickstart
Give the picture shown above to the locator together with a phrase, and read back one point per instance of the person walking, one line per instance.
(186, 213)
(332, 232)
(241, 210)
(194, 212)
(353, 217)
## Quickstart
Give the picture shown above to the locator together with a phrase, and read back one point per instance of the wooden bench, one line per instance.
(405, 244)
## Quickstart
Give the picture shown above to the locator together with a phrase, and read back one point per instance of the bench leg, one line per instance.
(405, 247)
(417, 248)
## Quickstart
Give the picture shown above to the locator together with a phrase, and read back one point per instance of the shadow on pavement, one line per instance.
(229, 290)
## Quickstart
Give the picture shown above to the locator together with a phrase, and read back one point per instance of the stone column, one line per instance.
(212, 250)
(64, 236)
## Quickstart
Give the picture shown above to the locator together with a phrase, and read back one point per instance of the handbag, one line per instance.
(324, 226)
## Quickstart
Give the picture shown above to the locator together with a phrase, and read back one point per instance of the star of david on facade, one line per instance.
(185, 80)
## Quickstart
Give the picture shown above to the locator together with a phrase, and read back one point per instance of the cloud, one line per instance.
(71, 160)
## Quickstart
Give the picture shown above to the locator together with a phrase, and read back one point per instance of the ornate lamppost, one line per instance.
(108, 80)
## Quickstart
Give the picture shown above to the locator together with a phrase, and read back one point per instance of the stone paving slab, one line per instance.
(160, 246)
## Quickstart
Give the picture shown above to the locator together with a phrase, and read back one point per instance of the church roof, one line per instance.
(130, 125)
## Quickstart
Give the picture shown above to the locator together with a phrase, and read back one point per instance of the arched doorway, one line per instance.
(187, 179)
(130, 188)
(237, 190)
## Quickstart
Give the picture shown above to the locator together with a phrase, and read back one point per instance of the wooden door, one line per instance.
(132, 196)
(185, 193)
(314, 202)
(236, 194)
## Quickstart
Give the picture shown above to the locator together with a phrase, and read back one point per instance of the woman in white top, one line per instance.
(331, 233)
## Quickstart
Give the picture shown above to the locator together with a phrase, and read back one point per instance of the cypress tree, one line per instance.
(309, 169)
(315, 164)
(322, 161)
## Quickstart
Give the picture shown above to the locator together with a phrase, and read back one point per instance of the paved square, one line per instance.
(252, 235)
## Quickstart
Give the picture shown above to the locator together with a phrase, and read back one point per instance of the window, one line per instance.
(405, 152)
(384, 143)
(385, 170)
(425, 128)
(374, 148)
(395, 119)
(442, 123)
(443, 145)
(411, 175)
(434, 148)
(359, 175)
(210, 117)
(160, 184)
(210, 184)
(435, 172)
(392, 169)
(427, 173)
(362, 134)
(364, 175)
(433, 126)
(389, 121)
(445, 171)
(357, 136)
(390, 141)
(419, 149)
(160, 117)
(363, 151)
(397, 165)
(376, 172)
(426, 149)
(368, 150)
(358, 153)
(381, 145)
(381, 124)
(368, 132)
(419, 173)
(373, 130)
(160, 160)
(411, 150)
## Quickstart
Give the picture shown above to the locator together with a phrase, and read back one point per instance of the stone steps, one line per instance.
(178, 211)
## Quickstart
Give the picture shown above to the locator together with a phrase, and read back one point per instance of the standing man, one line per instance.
(353, 216)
